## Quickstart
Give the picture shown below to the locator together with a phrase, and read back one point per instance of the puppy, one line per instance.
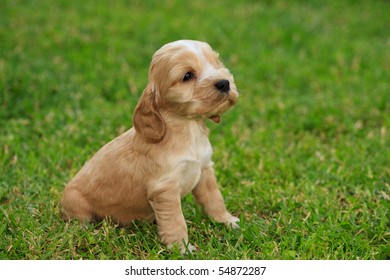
(144, 173)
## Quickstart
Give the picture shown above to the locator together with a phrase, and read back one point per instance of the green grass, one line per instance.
(303, 159)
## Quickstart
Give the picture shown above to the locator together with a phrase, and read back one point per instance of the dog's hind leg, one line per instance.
(74, 205)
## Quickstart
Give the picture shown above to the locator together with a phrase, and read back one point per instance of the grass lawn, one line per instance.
(303, 159)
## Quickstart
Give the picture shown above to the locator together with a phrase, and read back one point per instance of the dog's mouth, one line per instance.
(215, 118)
(221, 107)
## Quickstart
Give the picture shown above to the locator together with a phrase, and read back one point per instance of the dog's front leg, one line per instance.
(208, 195)
(172, 228)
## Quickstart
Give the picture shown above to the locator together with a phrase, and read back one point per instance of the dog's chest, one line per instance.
(190, 164)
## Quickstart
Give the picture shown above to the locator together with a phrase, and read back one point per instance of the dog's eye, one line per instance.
(188, 76)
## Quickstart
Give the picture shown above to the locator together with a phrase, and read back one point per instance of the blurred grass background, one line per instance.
(303, 158)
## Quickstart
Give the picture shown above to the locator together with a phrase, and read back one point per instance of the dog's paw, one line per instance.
(233, 222)
(188, 249)
(184, 248)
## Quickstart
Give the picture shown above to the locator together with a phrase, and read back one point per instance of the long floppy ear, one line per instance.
(147, 119)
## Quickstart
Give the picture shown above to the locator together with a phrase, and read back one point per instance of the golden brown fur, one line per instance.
(144, 173)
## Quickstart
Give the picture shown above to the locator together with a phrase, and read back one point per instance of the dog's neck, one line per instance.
(176, 123)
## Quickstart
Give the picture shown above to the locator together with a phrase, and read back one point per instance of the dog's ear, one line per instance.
(147, 119)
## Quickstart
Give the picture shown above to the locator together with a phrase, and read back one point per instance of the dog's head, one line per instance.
(187, 79)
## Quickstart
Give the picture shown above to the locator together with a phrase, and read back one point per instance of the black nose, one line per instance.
(223, 85)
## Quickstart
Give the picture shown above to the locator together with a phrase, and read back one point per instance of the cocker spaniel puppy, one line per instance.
(144, 173)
